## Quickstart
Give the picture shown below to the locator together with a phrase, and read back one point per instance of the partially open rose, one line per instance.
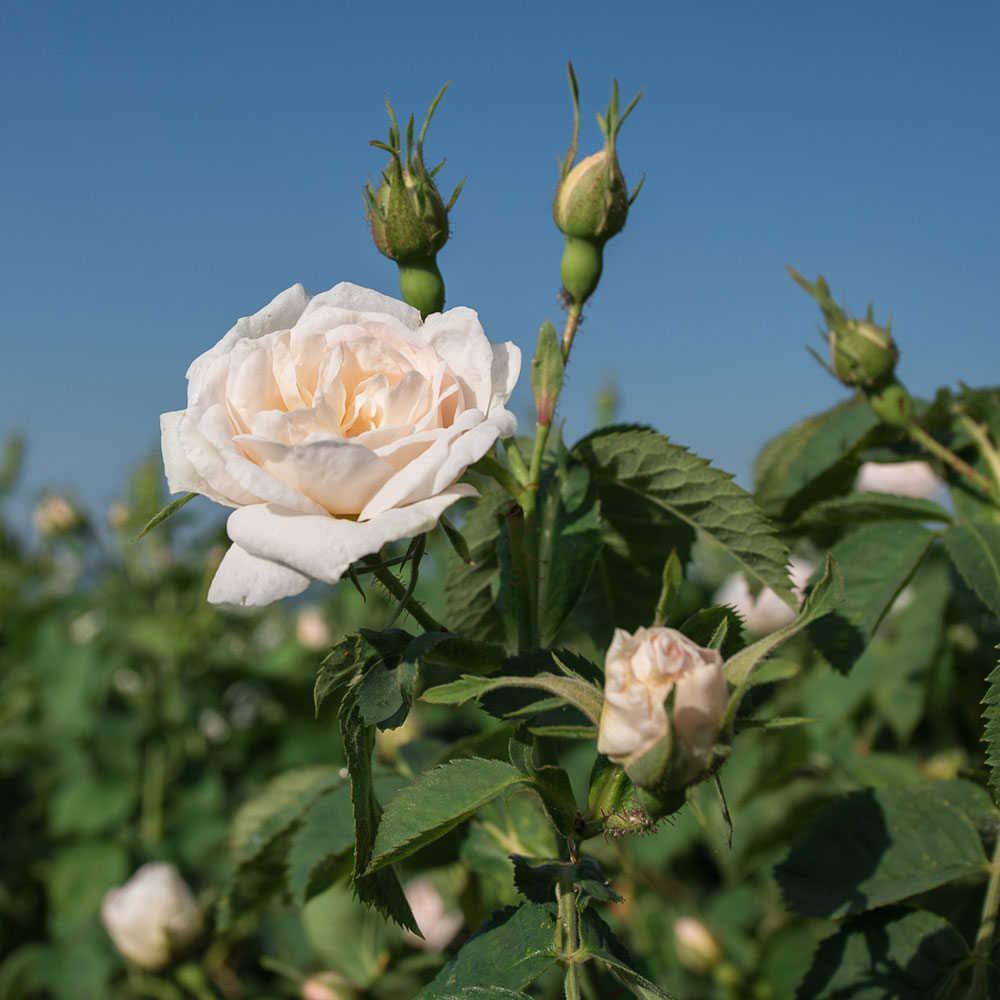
(334, 424)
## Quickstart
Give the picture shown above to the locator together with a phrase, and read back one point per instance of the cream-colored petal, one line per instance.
(362, 302)
(504, 373)
(458, 338)
(251, 581)
(323, 547)
(281, 313)
(338, 475)
(182, 476)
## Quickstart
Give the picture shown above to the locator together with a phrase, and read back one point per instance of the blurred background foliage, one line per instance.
(136, 721)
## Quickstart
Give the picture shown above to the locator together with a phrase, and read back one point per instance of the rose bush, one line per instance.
(641, 671)
(334, 424)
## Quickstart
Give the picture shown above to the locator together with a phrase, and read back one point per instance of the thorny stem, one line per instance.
(517, 536)
(569, 330)
(397, 590)
(987, 930)
(568, 933)
(950, 458)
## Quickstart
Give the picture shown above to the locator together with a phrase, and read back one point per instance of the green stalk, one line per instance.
(921, 437)
(516, 459)
(568, 933)
(987, 931)
(517, 535)
(397, 590)
(986, 448)
(489, 466)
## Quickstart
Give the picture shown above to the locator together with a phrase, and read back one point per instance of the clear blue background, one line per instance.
(167, 168)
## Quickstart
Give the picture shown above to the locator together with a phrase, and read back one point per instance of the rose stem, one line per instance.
(389, 581)
(515, 459)
(987, 930)
(948, 456)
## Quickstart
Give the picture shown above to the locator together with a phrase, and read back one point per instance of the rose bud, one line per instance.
(153, 917)
(862, 353)
(664, 701)
(408, 217)
(592, 200)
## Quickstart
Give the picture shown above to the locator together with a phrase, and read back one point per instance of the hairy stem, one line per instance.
(489, 466)
(413, 607)
(921, 437)
(568, 933)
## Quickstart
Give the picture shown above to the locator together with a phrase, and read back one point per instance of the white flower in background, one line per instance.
(905, 479)
(327, 986)
(54, 515)
(696, 948)
(640, 671)
(334, 424)
(437, 925)
(153, 917)
(118, 515)
(311, 630)
(767, 611)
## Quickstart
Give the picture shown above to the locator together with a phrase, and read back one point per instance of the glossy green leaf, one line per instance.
(975, 550)
(598, 940)
(881, 846)
(895, 952)
(319, 847)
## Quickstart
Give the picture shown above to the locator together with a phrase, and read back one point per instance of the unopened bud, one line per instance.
(664, 702)
(592, 199)
(408, 216)
(153, 917)
(696, 948)
(862, 353)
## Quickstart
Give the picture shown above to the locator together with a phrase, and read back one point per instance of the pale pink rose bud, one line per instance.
(327, 986)
(767, 612)
(696, 948)
(437, 924)
(54, 516)
(657, 750)
(311, 630)
(905, 479)
(153, 917)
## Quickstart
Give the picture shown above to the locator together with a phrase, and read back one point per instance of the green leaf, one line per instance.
(570, 542)
(437, 801)
(168, 511)
(380, 889)
(991, 735)
(647, 465)
(865, 508)
(510, 951)
(975, 550)
(813, 460)
(536, 879)
(880, 846)
(896, 952)
(598, 940)
(877, 561)
(352, 658)
(316, 855)
(471, 610)
(670, 588)
(261, 833)
(574, 691)
(719, 627)
(547, 369)
(823, 598)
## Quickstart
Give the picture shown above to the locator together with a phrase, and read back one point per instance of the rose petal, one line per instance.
(182, 476)
(323, 547)
(250, 581)
(281, 313)
(458, 337)
(362, 302)
(503, 374)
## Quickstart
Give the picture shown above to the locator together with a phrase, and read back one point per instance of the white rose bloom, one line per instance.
(905, 479)
(152, 917)
(767, 612)
(437, 924)
(334, 424)
(640, 671)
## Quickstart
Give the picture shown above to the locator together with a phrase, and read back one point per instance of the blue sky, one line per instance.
(170, 167)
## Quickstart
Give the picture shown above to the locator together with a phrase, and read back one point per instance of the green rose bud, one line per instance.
(862, 353)
(408, 216)
(592, 200)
